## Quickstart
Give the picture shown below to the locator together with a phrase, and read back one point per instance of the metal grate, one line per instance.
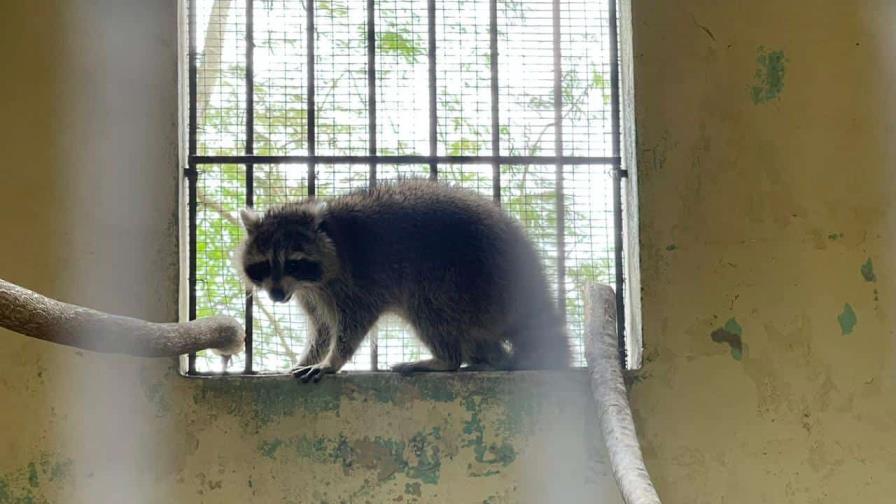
(515, 99)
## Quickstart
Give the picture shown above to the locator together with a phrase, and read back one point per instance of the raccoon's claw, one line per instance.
(311, 373)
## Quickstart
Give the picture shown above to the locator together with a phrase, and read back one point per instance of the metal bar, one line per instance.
(250, 150)
(617, 176)
(371, 90)
(409, 159)
(311, 140)
(433, 92)
(496, 123)
(558, 151)
(371, 135)
(191, 170)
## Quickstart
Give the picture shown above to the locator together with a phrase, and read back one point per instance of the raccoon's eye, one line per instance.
(302, 269)
(258, 271)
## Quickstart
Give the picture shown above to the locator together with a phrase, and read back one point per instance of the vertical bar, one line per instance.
(558, 152)
(250, 150)
(496, 123)
(433, 92)
(191, 170)
(371, 135)
(312, 141)
(371, 89)
(617, 177)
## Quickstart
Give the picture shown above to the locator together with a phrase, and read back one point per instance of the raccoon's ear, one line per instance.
(250, 219)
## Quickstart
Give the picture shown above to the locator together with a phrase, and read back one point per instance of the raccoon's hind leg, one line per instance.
(440, 337)
(489, 356)
(424, 365)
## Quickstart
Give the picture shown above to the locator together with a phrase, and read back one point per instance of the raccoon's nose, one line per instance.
(277, 295)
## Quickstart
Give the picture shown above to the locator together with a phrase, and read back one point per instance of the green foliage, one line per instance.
(400, 43)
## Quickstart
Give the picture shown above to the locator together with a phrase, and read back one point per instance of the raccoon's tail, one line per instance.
(540, 343)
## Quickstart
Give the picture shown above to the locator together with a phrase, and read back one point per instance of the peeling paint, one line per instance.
(269, 448)
(33, 479)
(769, 77)
(156, 394)
(29, 484)
(731, 334)
(412, 489)
(436, 388)
(259, 402)
(418, 458)
(867, 271)
(847, 319)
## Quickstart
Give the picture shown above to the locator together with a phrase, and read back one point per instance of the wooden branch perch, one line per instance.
(614, 412)
(31, 314)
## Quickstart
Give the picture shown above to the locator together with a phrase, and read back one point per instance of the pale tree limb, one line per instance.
(209, 69)
(34, 315)
(614, 412)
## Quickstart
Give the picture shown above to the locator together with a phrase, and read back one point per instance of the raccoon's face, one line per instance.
(285, 251)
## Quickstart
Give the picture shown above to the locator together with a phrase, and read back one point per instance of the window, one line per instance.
(516, 99)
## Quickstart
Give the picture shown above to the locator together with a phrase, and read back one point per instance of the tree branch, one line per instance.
(614, 412)
(210, 67)
(34, 315)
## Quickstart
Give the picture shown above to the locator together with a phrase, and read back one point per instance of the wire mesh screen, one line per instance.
(514, 99)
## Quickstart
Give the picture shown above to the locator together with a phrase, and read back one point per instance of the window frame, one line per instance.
(622, 161)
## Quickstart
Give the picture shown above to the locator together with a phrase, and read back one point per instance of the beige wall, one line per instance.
(764, 211)
(758, 211)
(88, 210)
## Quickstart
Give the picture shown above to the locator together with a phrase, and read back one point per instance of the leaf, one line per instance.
(397, 43)
(598, 81)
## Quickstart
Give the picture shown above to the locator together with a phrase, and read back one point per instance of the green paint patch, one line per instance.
(867, 271)
(257, 403)
(316, 449)
(671, 247)
(730, 334)
(436, 388)
(5, 492)
(26, 484)
(424, 457)
(269, 448)
(156, 393)
(769, 77)
(33, 478)
(835, 236)
(380, 387)
(497, 453)
(847, 319)
(56, 469)
(419, 457)
(412, 489)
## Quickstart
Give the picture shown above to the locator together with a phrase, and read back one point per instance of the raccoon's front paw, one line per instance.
(311, 373)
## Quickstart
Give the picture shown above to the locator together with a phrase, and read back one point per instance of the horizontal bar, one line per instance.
(409, 159)
(342, 375)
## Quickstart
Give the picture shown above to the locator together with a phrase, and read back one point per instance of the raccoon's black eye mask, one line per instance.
(258, 271)
(302, 269)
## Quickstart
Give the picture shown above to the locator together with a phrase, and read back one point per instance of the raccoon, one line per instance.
(449, 262)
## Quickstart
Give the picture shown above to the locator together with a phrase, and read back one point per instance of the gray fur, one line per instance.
(446, 260)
